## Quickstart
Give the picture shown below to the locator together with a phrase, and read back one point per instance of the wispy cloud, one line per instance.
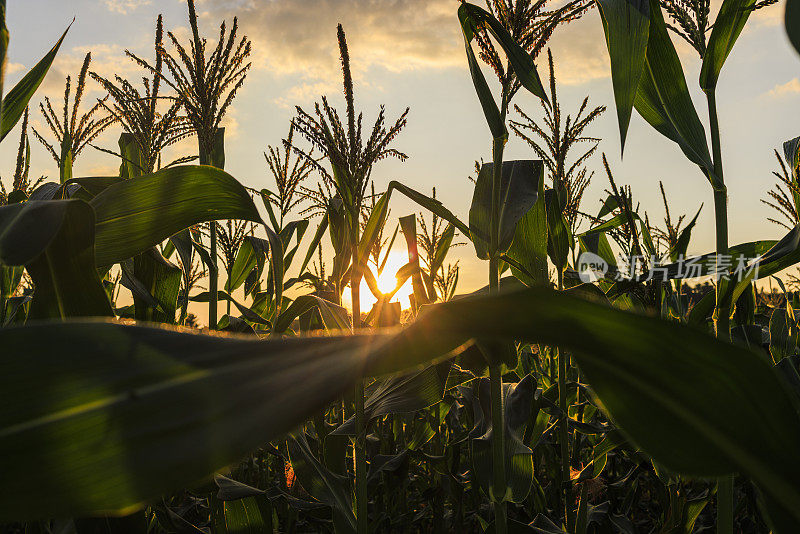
(299, 37)
(792, 87)
(125, 6)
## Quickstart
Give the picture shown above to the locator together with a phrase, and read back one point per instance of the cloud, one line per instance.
(579, 52)
(789, 88)
(13, 68)
(299, 37)
(125, 6)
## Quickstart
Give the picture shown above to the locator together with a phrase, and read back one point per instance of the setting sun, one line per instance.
(386, 283)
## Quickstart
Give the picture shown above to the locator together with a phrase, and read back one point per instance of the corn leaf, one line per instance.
(54, 240)
(135, 215)
(728, 25)
(519, 190)
(627, 25)
(15, 102)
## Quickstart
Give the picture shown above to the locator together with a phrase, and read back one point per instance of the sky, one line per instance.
(410, 53)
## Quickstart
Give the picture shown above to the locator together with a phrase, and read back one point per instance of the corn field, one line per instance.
(602, 381)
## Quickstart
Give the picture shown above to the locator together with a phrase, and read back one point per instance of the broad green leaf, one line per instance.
(375, 223)
(246, 312)
(519, 190)
(162, 280)
(529, 247)
(246, 259)
(728, 25)
(626, 24)
(519, 458)
(133, 165)
(135, 215)
(663, 98)
(521, 61)
(783, 333)
(54, 240)
(334, 317)
(15, 102)
(490, 111)
(559, 238)
(155, 410)
(405, 393)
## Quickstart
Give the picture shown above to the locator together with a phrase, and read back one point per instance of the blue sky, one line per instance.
(410, 53)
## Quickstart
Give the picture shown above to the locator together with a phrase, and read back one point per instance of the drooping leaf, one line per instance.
(519, 190)
(135, 215)
(627, 25)
(521, 61)
(490, 110)
(55, 241)
(663, 98)
(405, 393)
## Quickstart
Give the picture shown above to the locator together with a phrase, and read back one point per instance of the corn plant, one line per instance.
(351, 159)
(205, 86)
(71, 131)
(138, 112)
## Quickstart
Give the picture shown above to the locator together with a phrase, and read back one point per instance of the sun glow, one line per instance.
(386, 283)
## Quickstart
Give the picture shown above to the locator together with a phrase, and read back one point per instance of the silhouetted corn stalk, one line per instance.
(351, 160)
(553, 140)
(205, 87)
(72, 133)
(137, 111)
(782, 196)
(288, 175)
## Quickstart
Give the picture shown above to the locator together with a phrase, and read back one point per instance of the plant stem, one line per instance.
(495, 368)
(205, 159)
(498, 449)
(359, 452)
(563, 428)
(725, 497)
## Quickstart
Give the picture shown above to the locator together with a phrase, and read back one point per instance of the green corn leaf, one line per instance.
(430, 204)
(520, 60)
(663, 98)
(627, 25)
(247, 313)
(699, 406)
(490, 111)
(135, 215)
(247, 257)
(162, 280)
(519, 190)
(15, 102)
(529, 247)
(405, 393)
(728, 25)
(323, 484)
(195, 404)
(334, 317)
(375, 223)
(519, 458)
(559, 239)
(54, 240)
(409, 226)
